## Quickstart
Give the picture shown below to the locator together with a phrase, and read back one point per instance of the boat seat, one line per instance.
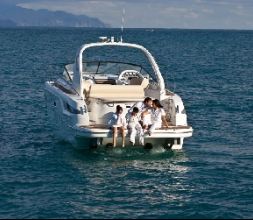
(139, 81)
(116, 92)
(135, 81)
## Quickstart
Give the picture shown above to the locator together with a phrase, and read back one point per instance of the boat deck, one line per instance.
(101, 131)
(101, 126)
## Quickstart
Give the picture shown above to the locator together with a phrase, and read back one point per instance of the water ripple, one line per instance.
(43, 177)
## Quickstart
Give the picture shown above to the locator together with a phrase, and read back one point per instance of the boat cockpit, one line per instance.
(109, 80)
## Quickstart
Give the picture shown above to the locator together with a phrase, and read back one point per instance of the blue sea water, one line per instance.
(212, 177)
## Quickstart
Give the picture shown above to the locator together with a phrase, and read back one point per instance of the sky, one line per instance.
(193, 14)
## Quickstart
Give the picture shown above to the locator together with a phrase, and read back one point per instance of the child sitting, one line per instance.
(118, 123)
(135, 127)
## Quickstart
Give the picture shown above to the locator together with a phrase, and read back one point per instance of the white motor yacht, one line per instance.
(81, 102)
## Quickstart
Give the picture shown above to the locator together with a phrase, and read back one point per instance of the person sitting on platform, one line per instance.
(158, 117)
(142, 106)
(135, 127)
(118, 123)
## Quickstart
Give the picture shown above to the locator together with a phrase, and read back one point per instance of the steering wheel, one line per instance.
(126, 74)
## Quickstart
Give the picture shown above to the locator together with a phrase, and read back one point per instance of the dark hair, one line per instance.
(119, 108)
(157, 103)
(147, 99)
(135, 110)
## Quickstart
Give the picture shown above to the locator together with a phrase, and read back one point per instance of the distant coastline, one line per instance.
(16, 16)
(129, 28)
(13, 16)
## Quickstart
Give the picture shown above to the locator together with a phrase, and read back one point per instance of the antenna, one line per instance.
(174, 82)
(122, 23)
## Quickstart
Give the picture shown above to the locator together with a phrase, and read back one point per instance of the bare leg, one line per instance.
(123, 136)
(145, 128)
(115, 136)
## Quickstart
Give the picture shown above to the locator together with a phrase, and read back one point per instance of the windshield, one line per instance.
(111, 67)
(113, 60)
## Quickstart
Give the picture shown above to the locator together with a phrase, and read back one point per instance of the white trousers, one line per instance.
(147, 120)
(155, 125)
(134, 130)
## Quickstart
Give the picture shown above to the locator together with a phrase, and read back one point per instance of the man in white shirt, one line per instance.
(143, 107)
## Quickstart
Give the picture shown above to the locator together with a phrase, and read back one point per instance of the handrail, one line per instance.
(78, 71)
(68, 74)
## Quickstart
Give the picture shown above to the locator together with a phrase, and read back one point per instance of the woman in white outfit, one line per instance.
(158, 116)
(118, 123)
(135, 127)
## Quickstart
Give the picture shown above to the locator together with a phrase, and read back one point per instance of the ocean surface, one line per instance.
(42, 176)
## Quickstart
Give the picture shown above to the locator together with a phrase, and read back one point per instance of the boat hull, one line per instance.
(70, 127)
(170, 138)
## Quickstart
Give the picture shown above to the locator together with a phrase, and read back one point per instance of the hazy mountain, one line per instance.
(11, 15)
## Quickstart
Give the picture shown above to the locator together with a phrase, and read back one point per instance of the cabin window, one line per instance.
(177, 109)
(71, 109)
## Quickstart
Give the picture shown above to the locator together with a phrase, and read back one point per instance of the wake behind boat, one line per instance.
(81, 102)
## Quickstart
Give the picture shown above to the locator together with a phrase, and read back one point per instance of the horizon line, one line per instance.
(148, 28)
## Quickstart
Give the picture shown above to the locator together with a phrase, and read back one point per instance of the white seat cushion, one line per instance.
(116, 92)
